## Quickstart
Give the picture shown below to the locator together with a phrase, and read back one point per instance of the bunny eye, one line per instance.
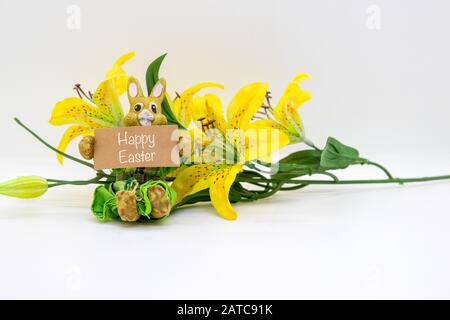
(137, 107)
(154, 108)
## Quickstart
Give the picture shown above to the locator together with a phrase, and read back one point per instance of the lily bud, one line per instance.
(24, 187)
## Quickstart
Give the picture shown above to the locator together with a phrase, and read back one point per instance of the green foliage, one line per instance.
(237, 193)
(145, 206)
(200, 196)
(306, 157)
(104, 205)
(337, 155)
(151, 77)
(297, 164)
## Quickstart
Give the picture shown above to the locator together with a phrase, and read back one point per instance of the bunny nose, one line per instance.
(146, 118)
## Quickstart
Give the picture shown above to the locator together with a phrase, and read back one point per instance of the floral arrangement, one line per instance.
(224, 159)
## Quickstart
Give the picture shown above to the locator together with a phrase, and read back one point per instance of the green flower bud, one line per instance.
(24, 187)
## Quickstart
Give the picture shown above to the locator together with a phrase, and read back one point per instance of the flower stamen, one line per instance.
(81, 93)
(209, 124)
(268, 97)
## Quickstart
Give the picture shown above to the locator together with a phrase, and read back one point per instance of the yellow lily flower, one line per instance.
(217, 177)
(182, 105)
(103, 111)
(249, 141)
(245, 104)
(285, 115)
(239, 129)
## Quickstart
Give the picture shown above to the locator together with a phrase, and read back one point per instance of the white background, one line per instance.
(382, 90)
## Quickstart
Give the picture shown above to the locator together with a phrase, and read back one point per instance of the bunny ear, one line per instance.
(134, 88)
(159, 89)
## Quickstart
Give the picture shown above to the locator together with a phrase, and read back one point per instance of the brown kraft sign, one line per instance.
(138, 147)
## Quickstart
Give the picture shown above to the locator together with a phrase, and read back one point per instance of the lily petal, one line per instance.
(107, 101)
(199, 110)
(119, 75)
(286, 111)
(265, 124)
(182, 106)
(193, 179)
(261, 142)
(209, 107)
(70, 134)
(78, 111)
(220, 189)
(300, 77)
(245, 104)
(217, 177)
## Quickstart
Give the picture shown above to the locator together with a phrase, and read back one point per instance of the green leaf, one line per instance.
(235, 192)
(297, 164)
(151, 77)
(104, 205)
(306, 157)
(200, 196)
(337, 155)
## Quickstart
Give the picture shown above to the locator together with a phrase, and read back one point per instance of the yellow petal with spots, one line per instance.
(286, 111)
(265, 124)
(199, 110)
(191, 143)
(183, 105)
(70, 134)
(119, 75)
(107, 101)
(276, 138)
(219, 190)
(209, 107)
(176, 171)
(285, 132)
(260, 143)
(217, 177)
(214, 112)
(78, 111)
(245, 104)
(193, 179)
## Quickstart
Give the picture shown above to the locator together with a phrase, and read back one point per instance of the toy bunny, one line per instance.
(144, 111)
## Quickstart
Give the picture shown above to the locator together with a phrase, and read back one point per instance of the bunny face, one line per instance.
(145, 111)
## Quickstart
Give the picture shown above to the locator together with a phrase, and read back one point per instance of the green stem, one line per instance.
(100, 175)
(271, 192)
(85, 163)
(379, 166)
(76, 182)
(259, 184)
(293, 173)
(348, 182)
(55, 180)
(329, 174)
(252, 195)
(300, 186)
(362, 161)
